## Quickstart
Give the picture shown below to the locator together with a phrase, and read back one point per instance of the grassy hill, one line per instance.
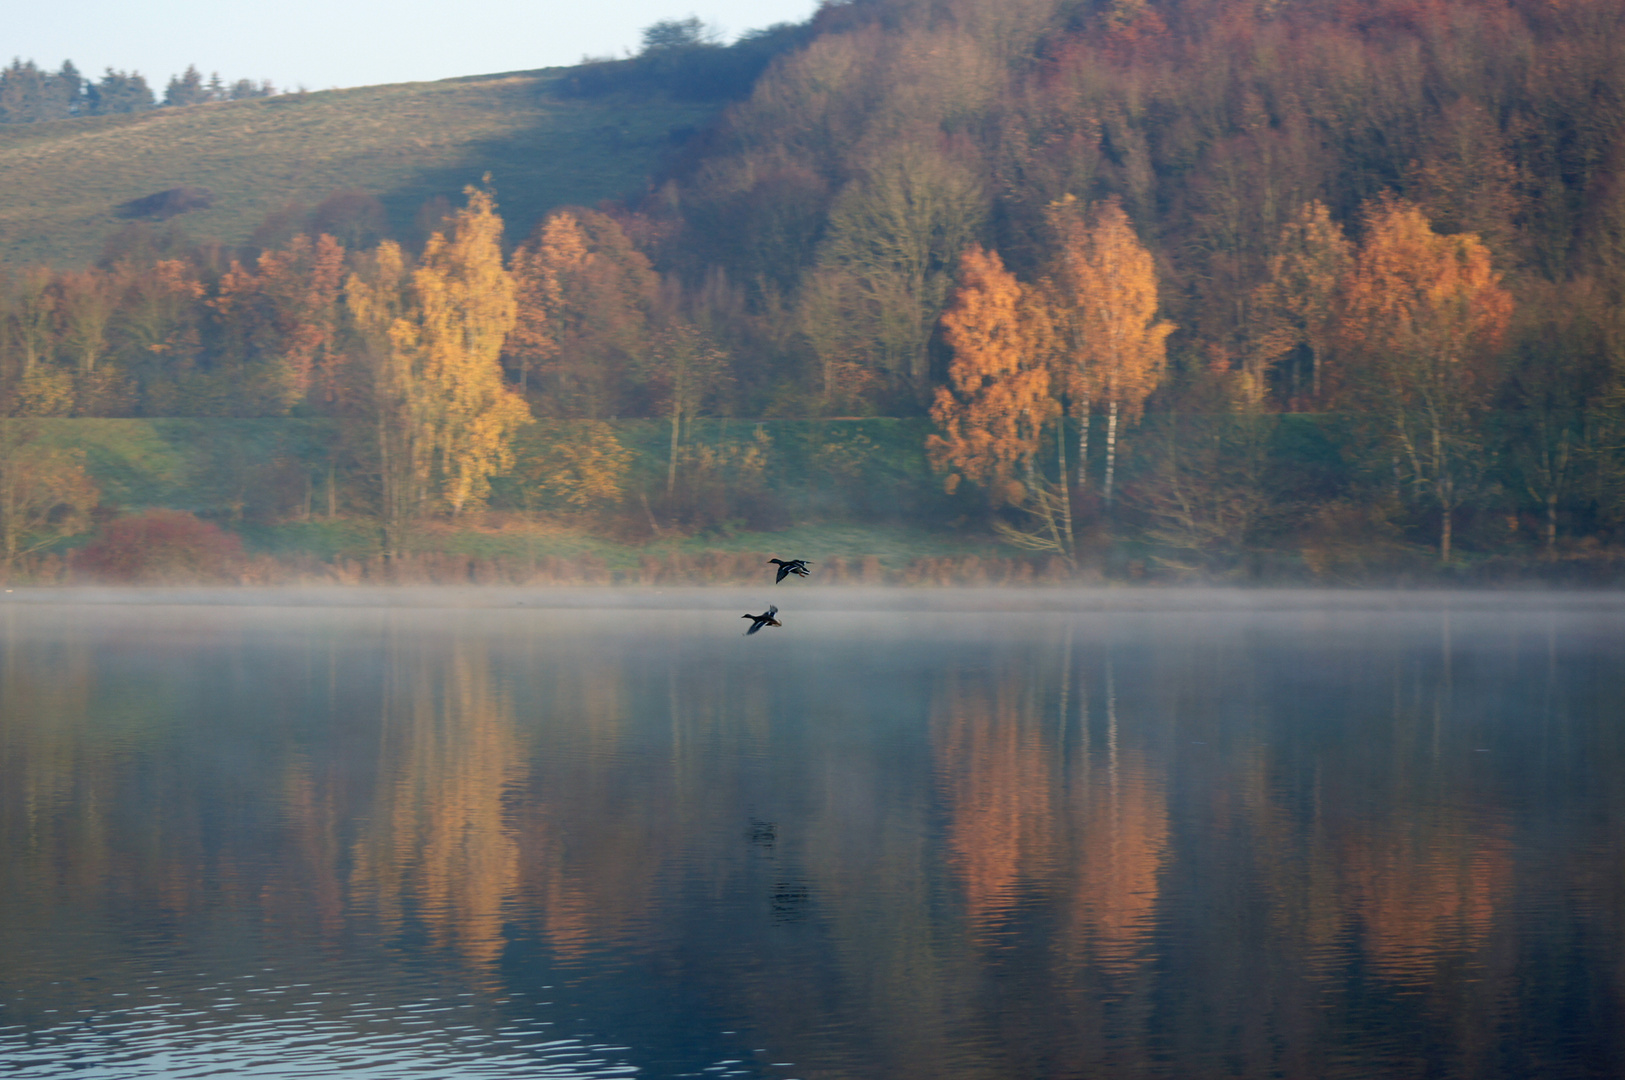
(61, 182)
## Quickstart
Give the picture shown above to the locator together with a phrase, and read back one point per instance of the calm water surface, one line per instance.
(908, 835)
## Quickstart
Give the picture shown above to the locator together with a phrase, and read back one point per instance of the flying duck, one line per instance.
(764, 619)
(794, 566)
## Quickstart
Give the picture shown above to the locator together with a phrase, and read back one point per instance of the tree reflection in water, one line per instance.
(1112, 844)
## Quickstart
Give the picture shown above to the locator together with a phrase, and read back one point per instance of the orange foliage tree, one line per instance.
(993, 416)
(533, 341)
(583, 299)
(281, 318)
(1422, 316)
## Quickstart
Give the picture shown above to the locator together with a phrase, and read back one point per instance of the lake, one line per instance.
(909, 834)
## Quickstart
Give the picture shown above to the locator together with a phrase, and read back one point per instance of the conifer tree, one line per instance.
(186, 88)
(119, 92)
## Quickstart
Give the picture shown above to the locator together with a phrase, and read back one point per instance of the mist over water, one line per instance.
(908, 834)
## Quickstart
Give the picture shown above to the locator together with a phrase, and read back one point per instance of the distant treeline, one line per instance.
(681, 58)
(29, 93)
(1112, 251)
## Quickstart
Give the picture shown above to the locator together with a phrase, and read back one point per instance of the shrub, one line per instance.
(162, 547)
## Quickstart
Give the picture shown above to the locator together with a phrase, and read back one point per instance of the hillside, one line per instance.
(62, 182)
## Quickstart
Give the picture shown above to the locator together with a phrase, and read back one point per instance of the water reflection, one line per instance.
(1027, 820)
(1310, 843)
(438, 851)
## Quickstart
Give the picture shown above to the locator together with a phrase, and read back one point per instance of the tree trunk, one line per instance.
(1111, 452)
(1066, 493)
(671, 465)
(8, 522)
(1556, 471)
(1083, 444)
(1447, 505)
(394, 498)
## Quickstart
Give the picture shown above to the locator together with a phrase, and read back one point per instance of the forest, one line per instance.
(1265, 290)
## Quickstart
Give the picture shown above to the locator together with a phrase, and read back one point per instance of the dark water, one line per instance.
(1204, 836)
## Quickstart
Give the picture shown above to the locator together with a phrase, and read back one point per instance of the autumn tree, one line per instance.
(280, 320)
(1422, 317)
(30, 380)
(581, 464)
(1112, 348)
(888, 258)
(584, 294)
(45, 493)
(538, 296)
(88, 301)
(830, 316)
(992, 413)
(29, 319)
(685, 368)
(434, 335)
(1556, 377)
(377, 296)
(156, 331)
(1297, 305)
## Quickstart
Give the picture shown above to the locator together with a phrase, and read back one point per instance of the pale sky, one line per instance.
(326, 43)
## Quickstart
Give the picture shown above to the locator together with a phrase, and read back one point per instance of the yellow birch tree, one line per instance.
(1114, 349)
(465, 309)
(434, 337)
